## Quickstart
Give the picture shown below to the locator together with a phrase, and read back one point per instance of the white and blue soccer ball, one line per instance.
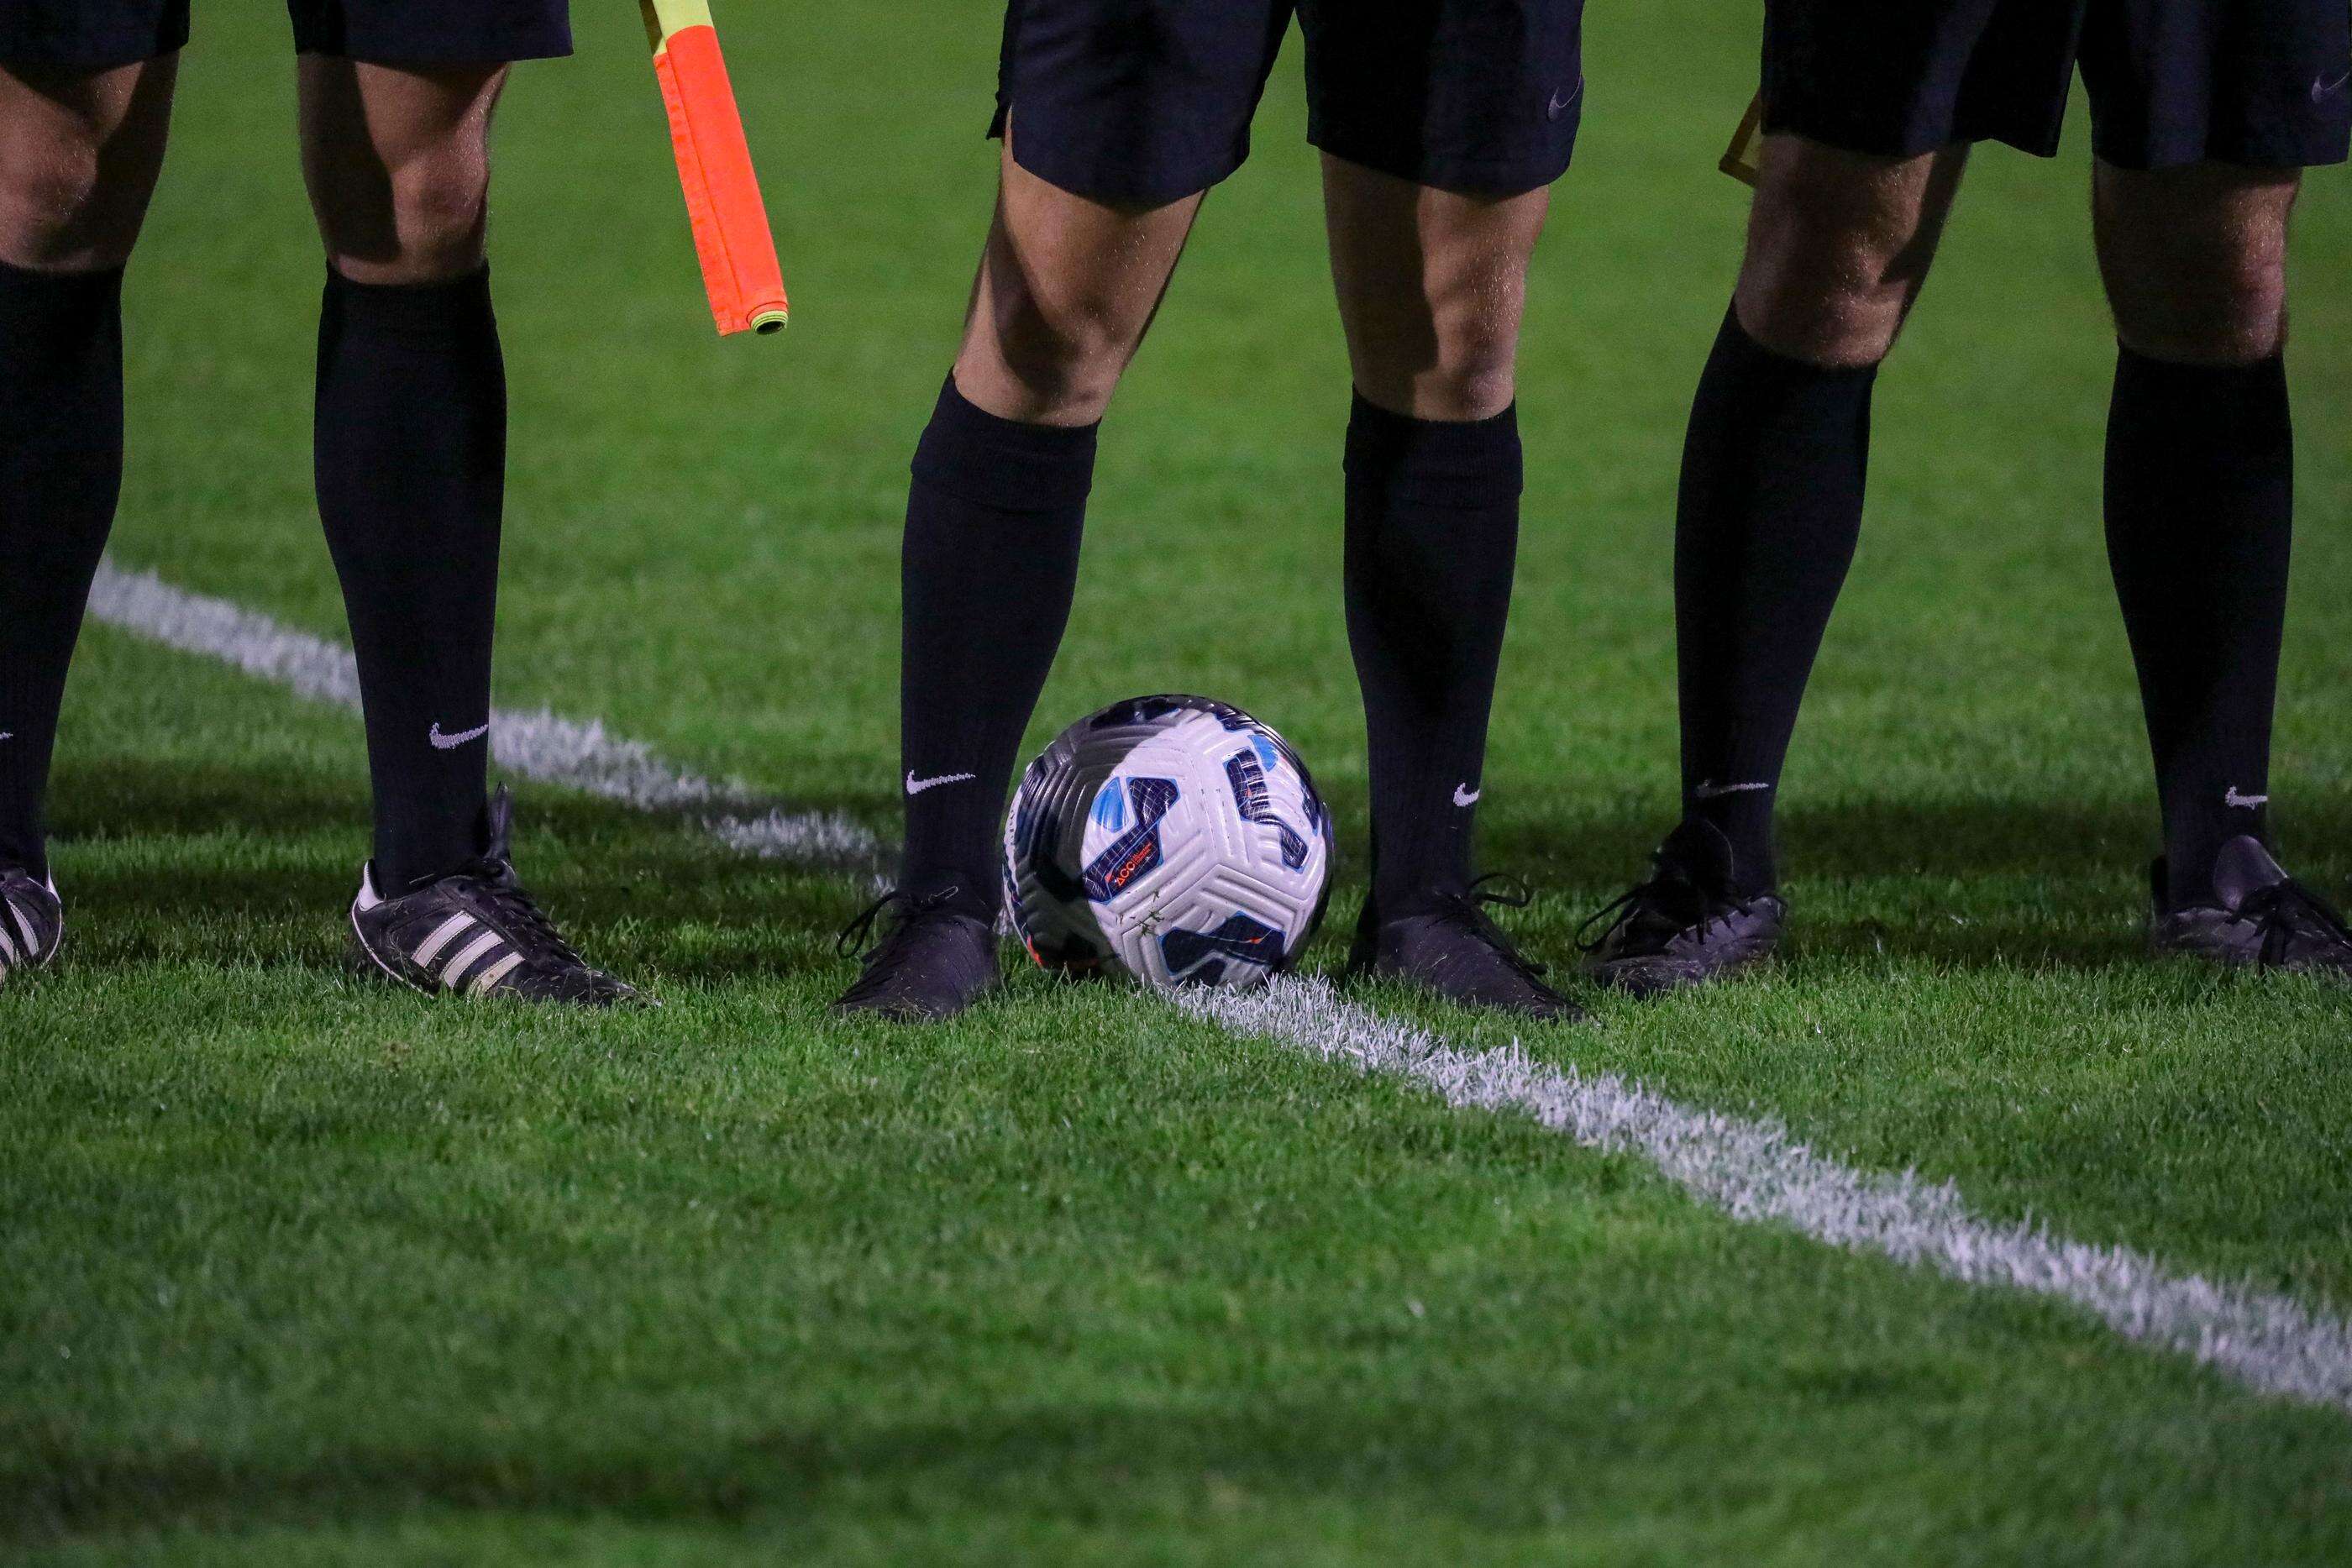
(1174, 837)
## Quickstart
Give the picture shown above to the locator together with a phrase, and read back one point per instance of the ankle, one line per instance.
(1754, 863)
(964, 890)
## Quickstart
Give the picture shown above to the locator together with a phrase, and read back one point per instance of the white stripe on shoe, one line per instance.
(443, 934)
(487, 981)
(24, 924)
(465, 960)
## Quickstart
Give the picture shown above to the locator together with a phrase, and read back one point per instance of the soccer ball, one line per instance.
(1172, 837)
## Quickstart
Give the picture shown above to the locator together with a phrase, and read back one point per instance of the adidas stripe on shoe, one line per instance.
(476, 933)
(32, 922)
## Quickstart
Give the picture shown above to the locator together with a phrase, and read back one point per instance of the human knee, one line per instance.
(1432, 287)
(398, 165)
(1053, 361)
(55, 211)
(78, 160)
(1838, 247)
(2233, 318)
(2196, 275)
(1465, 366)
(418, 220)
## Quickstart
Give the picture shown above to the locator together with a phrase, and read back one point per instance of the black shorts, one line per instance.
(1140, 103)
(2262, 83)
(96, 34)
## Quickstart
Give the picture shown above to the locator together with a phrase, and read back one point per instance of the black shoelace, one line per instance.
(1671, 896)
(520, 912)
(1467, 911)
(2289, 911)
(912, 907)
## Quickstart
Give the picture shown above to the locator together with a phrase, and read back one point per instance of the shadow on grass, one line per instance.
(1475, 1460)
(1914, 880)
(622, 877)
(171, 858)
(2059, 839)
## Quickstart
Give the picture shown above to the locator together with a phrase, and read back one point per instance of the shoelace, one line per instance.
(1670, 892)
(520, 912)
(1467, 910)
(912, 907)
(2288, 910)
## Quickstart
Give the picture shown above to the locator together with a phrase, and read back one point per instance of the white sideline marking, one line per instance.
(1753, 1170)
(536, 744)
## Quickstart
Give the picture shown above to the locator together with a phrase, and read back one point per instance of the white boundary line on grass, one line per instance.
(1752, 1169)
(536, 744)
(1755, 1170)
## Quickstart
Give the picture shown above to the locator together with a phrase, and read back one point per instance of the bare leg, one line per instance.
(398, 165)
(1432, 287)
(1839, 245)
(1067, 289)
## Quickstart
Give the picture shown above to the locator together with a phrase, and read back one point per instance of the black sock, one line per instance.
(411, 456)
(2200, 503)
(60, 474)
(1432, 537)
(1769, 515)
(993, 521)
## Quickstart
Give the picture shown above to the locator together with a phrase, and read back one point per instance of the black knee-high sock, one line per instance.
(1769, 515)
(60, 474)
(1432, 536)
(994, 522)
(2200, 503)
(411, 457)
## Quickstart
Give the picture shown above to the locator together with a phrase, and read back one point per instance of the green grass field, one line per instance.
(296, 1271)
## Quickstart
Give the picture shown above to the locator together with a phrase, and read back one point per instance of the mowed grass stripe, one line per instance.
(1752, 1169)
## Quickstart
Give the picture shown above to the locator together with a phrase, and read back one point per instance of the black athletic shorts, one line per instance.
(2262, 83)
(96, 34)
(1140, 103)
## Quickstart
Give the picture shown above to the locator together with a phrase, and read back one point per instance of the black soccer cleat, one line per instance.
(1689, 923)
(476, 933)
(1453, 948)
(32, 922)
(937, 959)
(2265, 919)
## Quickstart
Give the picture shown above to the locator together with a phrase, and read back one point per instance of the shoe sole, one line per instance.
(907, 1012)
(1567, 1012)
(1648, 977)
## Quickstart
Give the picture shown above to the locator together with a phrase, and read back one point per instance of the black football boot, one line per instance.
(2261, 919)
(474, 933)
(1689, 923)
(1448, 945)
(938, 957)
